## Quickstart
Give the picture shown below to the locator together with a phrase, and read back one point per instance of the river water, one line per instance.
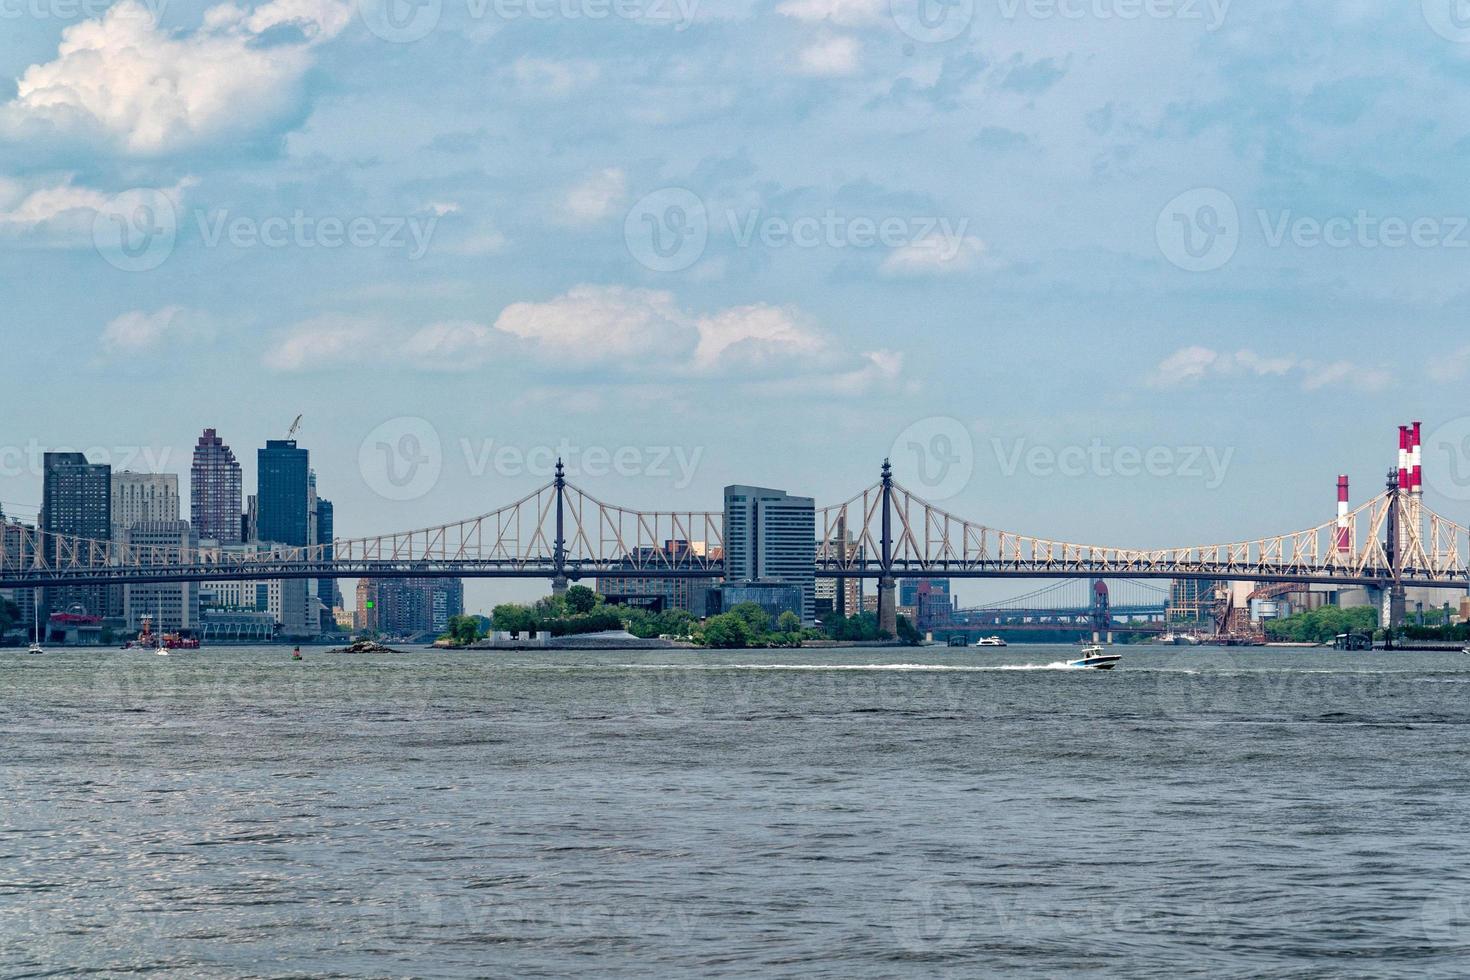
(848, 813)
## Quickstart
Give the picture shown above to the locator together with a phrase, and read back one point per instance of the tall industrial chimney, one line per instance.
(1344, 544)
(1416, 460)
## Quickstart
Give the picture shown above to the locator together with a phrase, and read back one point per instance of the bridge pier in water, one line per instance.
(888, 606)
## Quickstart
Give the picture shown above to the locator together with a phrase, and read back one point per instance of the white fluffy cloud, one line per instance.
(1192, 365)
(936, 254)
(124, 81)
(835, 55)
(172, 326)
(845, 13)
(60, 214)
(626, 333)
(597, 197)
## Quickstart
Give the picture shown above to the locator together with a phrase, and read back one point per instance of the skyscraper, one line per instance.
(770, 538)
(326, 588)
(283, 517)
(139, 497)
(215, 490)
(283, 493)
(76, 501)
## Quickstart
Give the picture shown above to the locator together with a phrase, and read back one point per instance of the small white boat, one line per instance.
(991, 641)
(1096, 658)
(36, 649)
(162, 650)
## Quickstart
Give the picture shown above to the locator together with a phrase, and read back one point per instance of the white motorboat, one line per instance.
(990, 641)
(1097, 658)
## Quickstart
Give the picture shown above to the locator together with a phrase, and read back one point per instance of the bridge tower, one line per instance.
(887, 587)
(1396, 604)
(559, 580)
(1102, 615)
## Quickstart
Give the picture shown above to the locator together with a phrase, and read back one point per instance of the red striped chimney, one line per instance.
(1416, 459)
(1343, 544)
(1403, 457)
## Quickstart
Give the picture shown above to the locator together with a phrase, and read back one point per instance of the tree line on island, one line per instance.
(580, 610)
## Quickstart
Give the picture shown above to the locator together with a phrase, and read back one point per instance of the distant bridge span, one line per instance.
(560, 532)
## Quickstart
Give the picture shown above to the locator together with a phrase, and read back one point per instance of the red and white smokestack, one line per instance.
(1403, 457)
(1344, 545)
(1416, 459)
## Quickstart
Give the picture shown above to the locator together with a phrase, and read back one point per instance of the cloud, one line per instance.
(836, 55)
(1193, 365)
(624, 334)
(844, 13)
(1452, 366)
(171, 327)
(596, 198)
(328, 341)
(548, 78)
(126, 83)
(62, 214)
(936, 254)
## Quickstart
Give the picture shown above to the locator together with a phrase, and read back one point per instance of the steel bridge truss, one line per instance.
(561, 532)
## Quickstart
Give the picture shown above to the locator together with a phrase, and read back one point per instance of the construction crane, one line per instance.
(295, 428)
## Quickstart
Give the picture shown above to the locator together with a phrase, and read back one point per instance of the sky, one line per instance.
(1127, 272)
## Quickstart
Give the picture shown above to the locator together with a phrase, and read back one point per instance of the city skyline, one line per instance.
(1054, 275)
(373, 486)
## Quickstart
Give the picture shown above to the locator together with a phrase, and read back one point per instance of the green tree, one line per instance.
(908, 633)
(9, 616)
(581, 599)
(788, 622)
(513, 618)
(463, 630)
(756, 619)
(726, 631)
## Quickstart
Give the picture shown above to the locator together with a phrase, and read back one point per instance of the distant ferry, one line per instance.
(1180, 639)
(991, 641)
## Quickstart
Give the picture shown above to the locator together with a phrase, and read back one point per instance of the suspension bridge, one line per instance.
(1100, 606)
(562, 533)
